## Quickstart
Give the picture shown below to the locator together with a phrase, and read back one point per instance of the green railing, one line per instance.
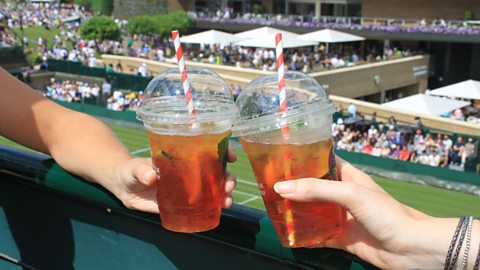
(57, 219)
(394, 165)
(15, 52)
(128, 116)
(118, 80)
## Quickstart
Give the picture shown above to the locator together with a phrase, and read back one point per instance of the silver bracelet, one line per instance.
(459, 244)
(467, 248)
(448, 259)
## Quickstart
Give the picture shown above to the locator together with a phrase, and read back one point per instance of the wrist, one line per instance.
(430, 242)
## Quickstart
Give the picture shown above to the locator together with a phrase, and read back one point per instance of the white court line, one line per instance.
(243, 193)
(140, 151)
(247, 182)
(249, 200)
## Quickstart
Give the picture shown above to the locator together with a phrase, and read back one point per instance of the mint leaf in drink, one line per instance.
(165, 155)
(222, 149)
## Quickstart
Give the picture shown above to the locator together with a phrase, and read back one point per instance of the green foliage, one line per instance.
(468, 15)
(159, 25)
(34, 58)
(258, 9)
(142, 25)
(100, 27)
(178, 20)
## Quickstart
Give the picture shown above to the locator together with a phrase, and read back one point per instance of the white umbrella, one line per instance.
(268, 41)
(331, 36)
(263, 31)
(468, 89)
(426, 104)
(210, 37)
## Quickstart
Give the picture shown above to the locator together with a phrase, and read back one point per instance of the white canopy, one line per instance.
(469, 89)
(210, 37)
(263, 31)
(331, 36)
(268, 41)
(426, 104)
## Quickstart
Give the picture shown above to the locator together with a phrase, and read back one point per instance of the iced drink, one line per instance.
(188, 150)
(192, 167)
(308, 224)
(288, 145)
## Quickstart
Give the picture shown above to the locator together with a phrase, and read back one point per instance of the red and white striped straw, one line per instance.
(281, 80)
(183, 72)
(288, 215)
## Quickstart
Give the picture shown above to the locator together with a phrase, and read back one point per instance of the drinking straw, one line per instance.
(183, 71)
(281, 81)
(285, 132)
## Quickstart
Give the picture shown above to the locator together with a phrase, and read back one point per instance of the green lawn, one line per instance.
(431, 200)
(33, 33)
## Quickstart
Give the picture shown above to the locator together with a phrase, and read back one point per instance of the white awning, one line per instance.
(210, 37)
(469, 89)
(263, 31)
(424, 104)
(331, 36)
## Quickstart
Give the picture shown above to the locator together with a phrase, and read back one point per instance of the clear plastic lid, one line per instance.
(164, 107)
(258, 104)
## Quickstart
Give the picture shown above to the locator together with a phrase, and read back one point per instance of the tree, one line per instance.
(100, 27)
(142, 25)
(178, 20)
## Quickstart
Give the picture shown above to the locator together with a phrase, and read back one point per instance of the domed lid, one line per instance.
(164, 101)
(258, 104)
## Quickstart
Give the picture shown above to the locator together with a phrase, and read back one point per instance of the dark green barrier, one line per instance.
(128, 116)
(52, 219)
(118, 80)
(411, 168)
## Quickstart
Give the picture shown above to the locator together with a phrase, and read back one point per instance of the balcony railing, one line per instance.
(58, 219)
(445, 27)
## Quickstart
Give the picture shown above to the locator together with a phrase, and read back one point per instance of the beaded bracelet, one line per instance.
(467, 248)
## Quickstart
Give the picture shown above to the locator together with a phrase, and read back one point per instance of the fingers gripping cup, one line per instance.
(188, 150)
(305, 151)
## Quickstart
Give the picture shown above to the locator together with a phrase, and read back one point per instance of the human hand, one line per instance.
(134, 184)
(378, 228)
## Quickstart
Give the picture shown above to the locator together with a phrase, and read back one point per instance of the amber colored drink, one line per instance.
(190, 182)
(297, 224)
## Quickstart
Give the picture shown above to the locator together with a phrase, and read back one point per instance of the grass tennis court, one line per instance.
(431, 200)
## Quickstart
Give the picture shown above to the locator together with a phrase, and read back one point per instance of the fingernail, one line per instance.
(284, 187)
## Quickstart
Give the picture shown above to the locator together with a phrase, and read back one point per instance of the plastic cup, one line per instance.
(306, 150)
(188, 150)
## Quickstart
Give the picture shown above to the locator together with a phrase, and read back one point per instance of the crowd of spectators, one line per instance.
(406, 143)
(469, 114)
(67, 18)
(438, 25)
(93, 93)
